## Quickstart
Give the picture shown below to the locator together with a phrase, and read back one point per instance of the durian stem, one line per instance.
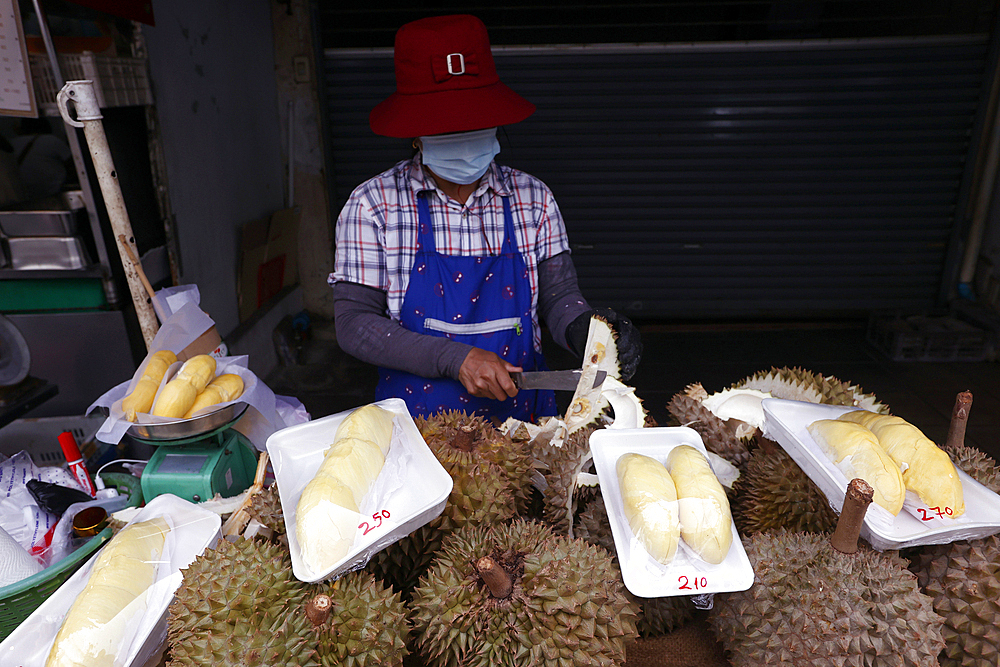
(959, 418)
(859, 497)
(318, 609)
(495, 577)
(463, 439)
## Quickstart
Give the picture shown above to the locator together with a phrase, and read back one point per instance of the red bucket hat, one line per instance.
(446, 82)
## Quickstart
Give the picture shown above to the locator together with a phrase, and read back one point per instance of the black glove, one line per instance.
(629, 343)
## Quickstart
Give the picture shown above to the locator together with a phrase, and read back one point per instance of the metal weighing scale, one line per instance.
(203, 456)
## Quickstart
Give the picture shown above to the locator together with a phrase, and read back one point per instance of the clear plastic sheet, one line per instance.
(786, 422)
(686, 574)
(138, 630)
(410, 490)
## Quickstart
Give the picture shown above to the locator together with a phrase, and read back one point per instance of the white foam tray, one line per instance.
(410, 491)
(644, 576)
(786, 423)
(193, 529)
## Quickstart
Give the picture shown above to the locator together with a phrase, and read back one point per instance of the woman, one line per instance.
(444, 262)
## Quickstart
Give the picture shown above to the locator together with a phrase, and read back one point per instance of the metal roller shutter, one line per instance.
(765, 179)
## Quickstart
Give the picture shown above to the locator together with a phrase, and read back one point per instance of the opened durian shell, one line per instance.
(688, 409)
(799, 384)
(600, 354)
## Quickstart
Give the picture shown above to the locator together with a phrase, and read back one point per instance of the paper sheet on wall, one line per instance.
(17, 94)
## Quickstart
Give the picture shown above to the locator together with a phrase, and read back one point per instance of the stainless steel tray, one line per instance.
(38, 223)
(182, 429)
(34, 253)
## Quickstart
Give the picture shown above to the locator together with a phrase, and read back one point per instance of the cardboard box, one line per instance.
(268, 259)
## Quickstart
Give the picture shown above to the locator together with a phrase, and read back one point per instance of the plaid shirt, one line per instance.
(377, 228)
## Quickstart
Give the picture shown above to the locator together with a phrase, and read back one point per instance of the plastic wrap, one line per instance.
(686, 573)
(410, 490)
(702, 506)
(138, 630)
(786, 422)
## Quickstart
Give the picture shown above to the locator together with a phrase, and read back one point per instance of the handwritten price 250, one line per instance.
(377, 522)
(929, 514)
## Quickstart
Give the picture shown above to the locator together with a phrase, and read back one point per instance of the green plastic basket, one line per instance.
(19, 599)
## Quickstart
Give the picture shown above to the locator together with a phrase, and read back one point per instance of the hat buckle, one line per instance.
(461, 64)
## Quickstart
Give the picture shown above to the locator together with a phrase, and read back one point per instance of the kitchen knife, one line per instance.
(565, 380)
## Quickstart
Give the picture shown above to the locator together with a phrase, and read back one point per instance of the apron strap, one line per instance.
(508, 228)
(425, 231)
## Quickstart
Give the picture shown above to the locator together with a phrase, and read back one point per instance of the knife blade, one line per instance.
(562, 380)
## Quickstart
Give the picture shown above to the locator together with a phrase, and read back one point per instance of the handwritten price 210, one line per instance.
(377, 518)
(692, 584)
(929, 514)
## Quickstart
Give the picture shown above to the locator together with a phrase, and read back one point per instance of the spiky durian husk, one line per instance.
(368, 624)
(239, 604)
(561, 467)
(686, 407)
(773, 492)
(265, 507)
(812, 605)
(657, 616)
(491, 483)
(799, 384)
(566, 608)
(963, 579)
(976, 464)
(235, 604)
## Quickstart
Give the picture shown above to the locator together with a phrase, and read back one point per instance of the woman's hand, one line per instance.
(486, 375)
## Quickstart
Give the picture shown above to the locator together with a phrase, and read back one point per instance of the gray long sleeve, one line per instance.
(366, 332)
(559, 298)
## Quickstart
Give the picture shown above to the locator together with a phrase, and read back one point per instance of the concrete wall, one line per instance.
(213, 70)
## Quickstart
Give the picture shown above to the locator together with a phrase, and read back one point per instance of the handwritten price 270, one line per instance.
(929, 514)
(377, 518)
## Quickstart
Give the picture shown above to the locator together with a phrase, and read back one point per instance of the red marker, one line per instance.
(75, 460)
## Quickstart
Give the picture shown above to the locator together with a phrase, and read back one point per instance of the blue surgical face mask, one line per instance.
(460, 158)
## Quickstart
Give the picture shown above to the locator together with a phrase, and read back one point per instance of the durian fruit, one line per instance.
(518, 594)
(773, 492)
(657, 616)
(561, 467)
(491, 483)
(963, 580)
(813, 605)
(265, 507)
(238, 604)
(720, 437)
(976, 464)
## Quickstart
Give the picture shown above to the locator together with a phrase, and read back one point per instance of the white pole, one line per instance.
(88, 116)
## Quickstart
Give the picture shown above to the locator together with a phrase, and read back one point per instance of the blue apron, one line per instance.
(481, 301)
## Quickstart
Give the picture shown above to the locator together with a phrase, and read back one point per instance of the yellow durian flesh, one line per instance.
(927, 469)
(178, 395)
(650, 503)
(224, 388)
(369, 422)
(94, 628)
(142, 395)
(857, 453)
(326, 521)
(702, 505)
(355, 463)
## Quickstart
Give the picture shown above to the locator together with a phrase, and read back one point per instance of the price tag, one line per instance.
(692, 583)
(931, 513)
(376, 522)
